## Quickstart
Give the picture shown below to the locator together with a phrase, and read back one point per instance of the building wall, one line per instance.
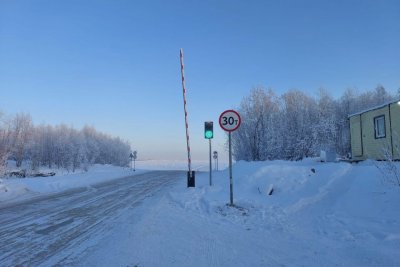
(395, 114)
(364, 145)
(355, 133)
(374, 148)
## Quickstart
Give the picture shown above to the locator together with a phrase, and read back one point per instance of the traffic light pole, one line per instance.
(210, 163)
(209, 134)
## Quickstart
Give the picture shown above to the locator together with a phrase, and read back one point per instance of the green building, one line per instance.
(375, 133)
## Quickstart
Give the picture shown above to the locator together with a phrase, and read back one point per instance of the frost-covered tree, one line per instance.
(92, 144)
(64, 147)
(325, 127)
(275, 128)
(296, 125)
(381, 96)
(22, 130)
(256, 136)
(299, 115)
(5, 143)
(58, 146)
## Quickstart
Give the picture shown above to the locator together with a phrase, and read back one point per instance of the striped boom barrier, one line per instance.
(186, 115)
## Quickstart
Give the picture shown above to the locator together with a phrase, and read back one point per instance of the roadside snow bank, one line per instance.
(320, 214)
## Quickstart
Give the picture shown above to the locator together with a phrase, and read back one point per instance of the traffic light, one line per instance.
(208, 130)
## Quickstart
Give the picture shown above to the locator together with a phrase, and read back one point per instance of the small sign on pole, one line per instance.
(134, 160)
(133, 157)
(230, 120)
(215, 157)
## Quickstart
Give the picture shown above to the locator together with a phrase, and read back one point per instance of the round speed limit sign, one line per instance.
(229, 120)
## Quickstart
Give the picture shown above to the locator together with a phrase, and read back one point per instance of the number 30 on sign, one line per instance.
(229, 120)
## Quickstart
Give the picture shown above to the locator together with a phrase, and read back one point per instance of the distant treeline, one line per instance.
(58, 146)
(295, 125)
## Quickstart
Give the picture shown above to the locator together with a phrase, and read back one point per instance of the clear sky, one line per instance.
(115, 64)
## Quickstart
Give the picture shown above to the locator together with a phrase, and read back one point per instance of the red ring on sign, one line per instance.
(239, 120)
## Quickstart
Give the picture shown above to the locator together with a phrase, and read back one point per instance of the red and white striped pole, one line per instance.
(186, 114)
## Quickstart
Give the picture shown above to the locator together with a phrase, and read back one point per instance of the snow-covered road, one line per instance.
(47, 230)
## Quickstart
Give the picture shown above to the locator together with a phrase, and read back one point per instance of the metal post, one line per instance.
(210, 164)
(230, 169)
(134, 165)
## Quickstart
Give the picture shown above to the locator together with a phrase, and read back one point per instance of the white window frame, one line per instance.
(380, 127)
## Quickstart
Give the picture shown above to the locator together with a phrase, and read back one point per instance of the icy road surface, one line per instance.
(47, 230)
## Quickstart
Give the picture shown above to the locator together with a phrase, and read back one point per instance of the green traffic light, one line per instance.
(208, 134)
(208, 130)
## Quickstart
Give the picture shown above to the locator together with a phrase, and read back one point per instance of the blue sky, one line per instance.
(115, 64)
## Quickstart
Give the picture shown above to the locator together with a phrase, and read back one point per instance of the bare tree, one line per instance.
(5, 143)
(390, 167)
(22, 130)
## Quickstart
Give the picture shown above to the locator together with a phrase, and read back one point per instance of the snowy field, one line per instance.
(320, 214)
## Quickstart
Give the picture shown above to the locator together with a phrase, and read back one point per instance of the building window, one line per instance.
(380, 129)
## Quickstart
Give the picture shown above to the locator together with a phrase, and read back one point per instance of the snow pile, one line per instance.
(320, 214)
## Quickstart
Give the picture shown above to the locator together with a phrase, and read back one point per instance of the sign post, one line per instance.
(133, 157)
(134, 160)
(229, 120)
(215, 156)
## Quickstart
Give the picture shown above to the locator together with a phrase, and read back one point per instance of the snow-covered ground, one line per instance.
(12, 189)
(197, 165)
(320, 214)
(341, 215)
(15, 189)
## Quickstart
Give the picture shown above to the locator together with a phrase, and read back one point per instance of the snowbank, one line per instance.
(320, 214)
